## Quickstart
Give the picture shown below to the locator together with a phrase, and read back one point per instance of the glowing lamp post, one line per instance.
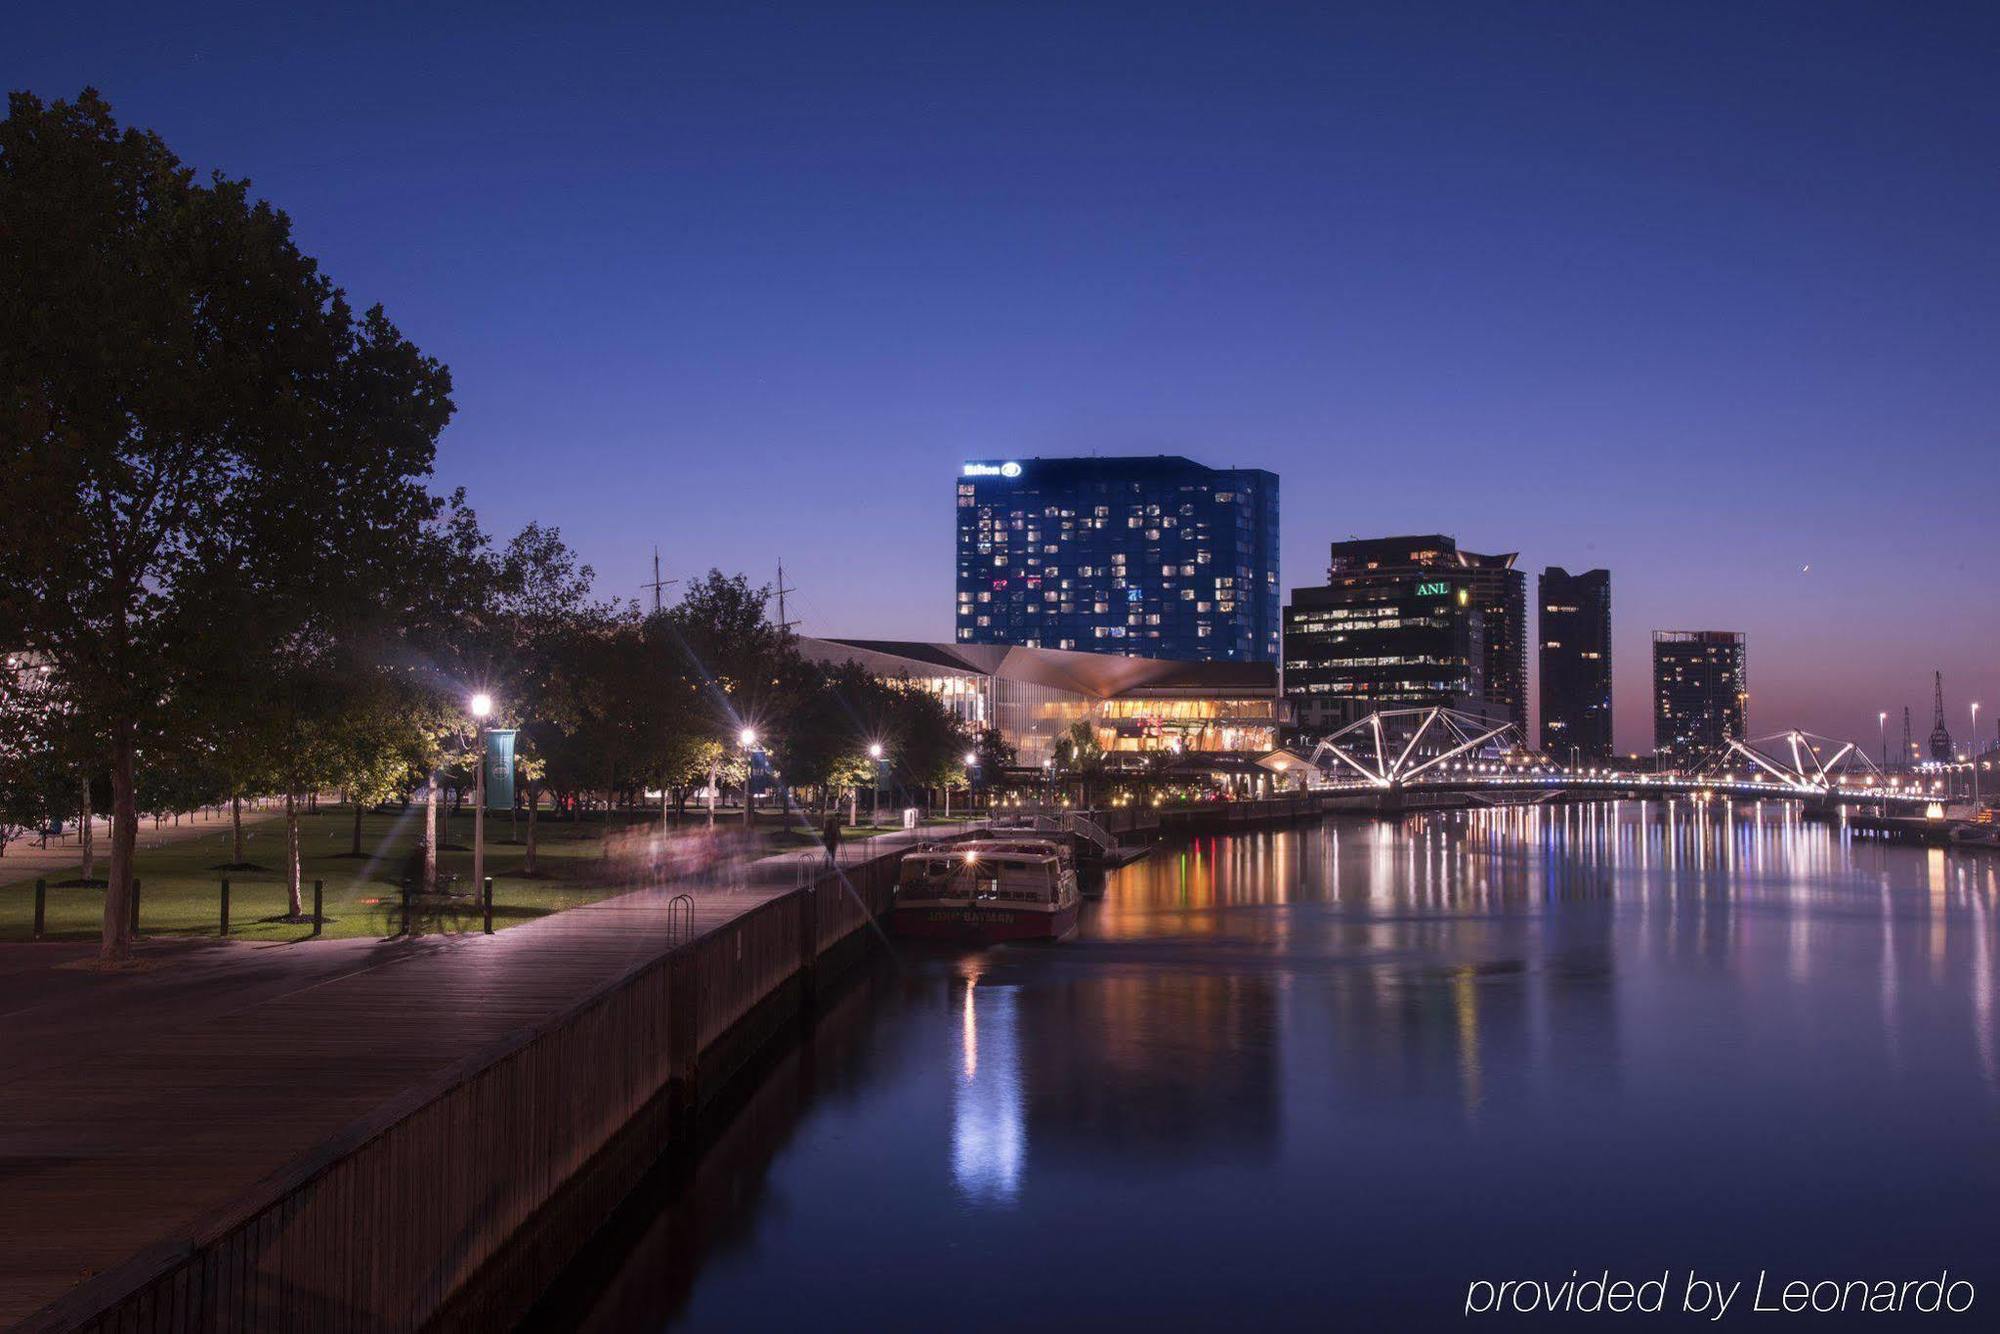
(875, 797)
(748, 737)
(971, 769)
(1973, 753)
(482, 708)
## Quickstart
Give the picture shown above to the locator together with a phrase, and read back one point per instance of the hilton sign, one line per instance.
(992, 470)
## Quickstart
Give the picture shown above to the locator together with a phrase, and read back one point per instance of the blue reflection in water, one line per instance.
(989, 1138)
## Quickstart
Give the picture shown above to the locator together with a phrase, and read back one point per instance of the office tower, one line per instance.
(1154, 557)
(1494, 589)
(1384, 639)
(1701, 693)
(1576, 663)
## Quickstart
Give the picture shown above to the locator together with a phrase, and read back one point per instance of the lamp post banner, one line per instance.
(500, 768)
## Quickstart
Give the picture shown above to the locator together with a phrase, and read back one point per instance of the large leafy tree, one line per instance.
(542, 619)
(192, 421)
(734, 659)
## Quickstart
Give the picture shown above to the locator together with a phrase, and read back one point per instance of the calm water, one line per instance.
(1327, 1077)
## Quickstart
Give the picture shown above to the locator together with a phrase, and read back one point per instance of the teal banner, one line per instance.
(500, 769)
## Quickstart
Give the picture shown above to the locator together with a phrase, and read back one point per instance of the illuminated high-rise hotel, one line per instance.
(1156, 557)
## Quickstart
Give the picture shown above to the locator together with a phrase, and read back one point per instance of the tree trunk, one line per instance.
(117, 943)
(89, 841)
(357, 827)
(297, 901)
(666, 800)
(431, 835)
(711, 793)
(528, 861)
(236, 822)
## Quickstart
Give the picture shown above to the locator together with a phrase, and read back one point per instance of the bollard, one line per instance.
(135, 905)
(489, 905)
(225, 907)
(319, 906)
(41, 906)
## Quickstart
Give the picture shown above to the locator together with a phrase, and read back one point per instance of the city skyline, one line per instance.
(1700, 299)
(500, 741)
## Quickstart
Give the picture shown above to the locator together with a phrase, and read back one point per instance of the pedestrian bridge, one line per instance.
(1395, 752)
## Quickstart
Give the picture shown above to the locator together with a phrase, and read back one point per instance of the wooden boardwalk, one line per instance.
(159, 1100)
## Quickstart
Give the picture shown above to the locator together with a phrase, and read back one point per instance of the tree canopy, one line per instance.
(205, 445)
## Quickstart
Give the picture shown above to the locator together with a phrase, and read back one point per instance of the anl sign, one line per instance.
(1434, 590)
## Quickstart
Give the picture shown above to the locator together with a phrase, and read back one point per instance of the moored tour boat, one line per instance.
(987, 889)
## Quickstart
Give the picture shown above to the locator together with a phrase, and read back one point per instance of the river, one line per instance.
(1332, 1076)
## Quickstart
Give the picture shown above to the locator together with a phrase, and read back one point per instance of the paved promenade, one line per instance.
(134, 1103)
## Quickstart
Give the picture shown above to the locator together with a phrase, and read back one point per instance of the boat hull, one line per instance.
(980, 922)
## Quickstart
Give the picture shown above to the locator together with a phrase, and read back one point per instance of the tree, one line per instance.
(377, 743)
(731, 653)
(930, 742)
(832, 715)
(188, 407)
(35, 775)
(1077, 751)
(995, 755)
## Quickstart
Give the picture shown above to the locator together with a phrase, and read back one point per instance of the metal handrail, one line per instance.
(680, 916)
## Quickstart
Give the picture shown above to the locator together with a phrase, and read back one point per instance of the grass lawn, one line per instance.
(180, 883)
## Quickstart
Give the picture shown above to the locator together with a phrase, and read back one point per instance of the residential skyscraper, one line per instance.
(1576, 663)
(1701, 693)
(1155, 557)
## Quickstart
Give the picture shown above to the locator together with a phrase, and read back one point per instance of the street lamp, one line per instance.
(1975, 752)
(482, 709)
(875, 796)
(971, 763)
(748, 736)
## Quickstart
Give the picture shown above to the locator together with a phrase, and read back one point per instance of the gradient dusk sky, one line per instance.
(1707, 293)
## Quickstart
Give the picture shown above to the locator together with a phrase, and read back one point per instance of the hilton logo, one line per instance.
(992, 470)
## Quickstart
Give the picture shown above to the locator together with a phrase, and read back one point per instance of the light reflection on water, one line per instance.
(988, 1134)
(1341, 1069)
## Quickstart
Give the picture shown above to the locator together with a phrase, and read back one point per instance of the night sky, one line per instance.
(1704, 293)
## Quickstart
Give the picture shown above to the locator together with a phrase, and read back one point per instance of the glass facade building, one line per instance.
(1576, 663)
(1383, 641)
(1153, 557)
(1701, 693)
(1033, 696)
(1378, 636)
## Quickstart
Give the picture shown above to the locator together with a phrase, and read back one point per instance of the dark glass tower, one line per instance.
(1701, 693)
(1576, 663)
(1155, 557)
(1388, 639)
(1493, 588)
